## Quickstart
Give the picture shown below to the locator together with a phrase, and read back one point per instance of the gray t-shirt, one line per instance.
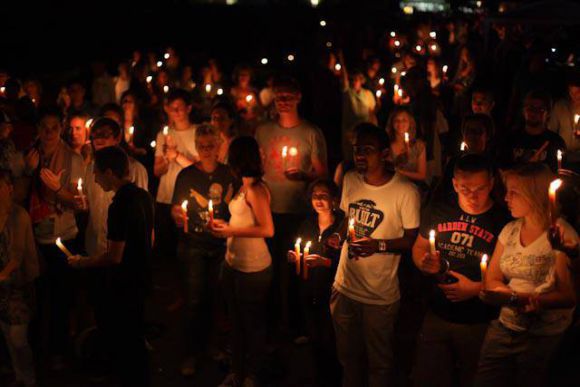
(289, 197)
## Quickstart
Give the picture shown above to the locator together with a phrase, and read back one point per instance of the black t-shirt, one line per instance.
(462, 239)
(198, 187)
(130, 220)
(520, 147)
(320, 278)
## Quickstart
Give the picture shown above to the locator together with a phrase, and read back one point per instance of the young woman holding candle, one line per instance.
(409, 157)
(321, 262)
(530, 279)
(246, 272)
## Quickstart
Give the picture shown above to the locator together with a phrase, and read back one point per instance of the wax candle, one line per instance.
(559, 157)
(63, 248)
(297, 251)
(210, 211)
(407, 140)
(351, 234)
(483, 266)
(432, 248)
(184, 205)
(80, 190)
(306, 253)
(554, 185)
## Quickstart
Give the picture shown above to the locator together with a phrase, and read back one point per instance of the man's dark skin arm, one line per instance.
(366, 246)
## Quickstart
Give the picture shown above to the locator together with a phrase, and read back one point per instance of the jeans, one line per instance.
(510, 358)
(444, 346)
(246, 295)
(201, 271)
(165, 231)
(16, 337)
(364, 340)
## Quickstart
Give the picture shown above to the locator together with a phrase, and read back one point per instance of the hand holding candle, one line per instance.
(185, 218)
(351, 234)
(297, 251)
(63, 248)
(432, 248)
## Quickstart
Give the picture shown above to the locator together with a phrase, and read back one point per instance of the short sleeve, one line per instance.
(410, 208)
(159, 141)
(505, 233)
(318, 146)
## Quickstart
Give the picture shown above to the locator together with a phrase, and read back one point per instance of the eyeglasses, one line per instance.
(364, 150)
(466, 191)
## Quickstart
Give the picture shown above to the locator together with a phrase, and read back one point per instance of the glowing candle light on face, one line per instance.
(210, 211)
(63, 248)
(432, 249)
(80, 191)
(483, 266)
(306, 253)
(559, 157)
(184, 205)
(297, 252)
(554, 186)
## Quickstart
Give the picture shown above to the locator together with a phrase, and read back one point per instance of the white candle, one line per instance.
(81, 194)
(554, 186)
(184, 205)
(351, 233)
(306, 253)
(210, 211)
(63, 248)
(483, 266)
(297, 252)
(463, 146)
(432, 248)
(559, 157)
(407, 141)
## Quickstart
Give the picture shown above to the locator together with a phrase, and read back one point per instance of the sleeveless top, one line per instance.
(248, 255)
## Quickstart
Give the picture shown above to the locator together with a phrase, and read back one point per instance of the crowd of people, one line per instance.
(295, 225)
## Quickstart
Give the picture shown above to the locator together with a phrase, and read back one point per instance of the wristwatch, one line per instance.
(444, 266)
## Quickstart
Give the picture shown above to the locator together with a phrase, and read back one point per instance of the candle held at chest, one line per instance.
(432, 248)
(184, 205)
(63, 248)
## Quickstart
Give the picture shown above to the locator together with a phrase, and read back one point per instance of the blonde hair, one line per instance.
(533, 182)
(412, 124)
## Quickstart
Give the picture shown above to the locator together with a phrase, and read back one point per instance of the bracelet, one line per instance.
(382, 246)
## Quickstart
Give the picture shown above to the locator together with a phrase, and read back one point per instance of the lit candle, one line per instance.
(131, 133)
(153, 144)
(407, 141)
(554, 185)
(63, 248)
(418, 48)
(220, 91)
(463, 146)
(337, 67)
(184, 214)
(433, 34)
(293, 153)
(393, 70)
(483, 266)
(576, 119)
(393, 34)
(351, 234)
(382, 81)
(379, 93)
(291, 58)
(166, 89)
(149, 79)
(264, 61)
(400, 92)
(432, 249)
(159, 63)
(166, 56)
(445, 68)
(210, 211)
(306, 252)
(88, 123)
(297, 252)
(284, 157)
(208, 88)
(81, 194)
(249, 98)
(559, 157)
(397, 43)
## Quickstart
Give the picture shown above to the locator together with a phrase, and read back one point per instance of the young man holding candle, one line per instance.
(464, 230)
(175, 150)
(125, 266)
(288, 180)
(384, 207)
(200, 253)
(534, 142)
(54, 169)
(564, 121)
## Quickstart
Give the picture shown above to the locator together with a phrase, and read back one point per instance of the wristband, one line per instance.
(382, 246)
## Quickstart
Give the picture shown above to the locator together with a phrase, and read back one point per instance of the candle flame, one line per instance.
(166, 56)
(397, 43)
(149, 79)
(166, 89)
(407, 137)
(220, 91)
(290, 58)
(298, 242)
(208, 88)
(351, 222)
(559, 155)
(131, 130)
(293, 151)
(418, 48)
(285, 151)
(396, 88)
(308, 244)
(576, 118)
(393, 34)
(432, 235)
(379, 93)
(210, 205)
(184, 205)
(165, 130)
(264, 61)
(555, 185)
(445, 68)
(382, 81)
(463, 146)
(338, 67)
(484, 259)
(153, 144)
(249, 98)
(159, 63)
(394, 70)
(80, 184)
(400, 92)
(433, 47)
(89, 122)
(433, 34)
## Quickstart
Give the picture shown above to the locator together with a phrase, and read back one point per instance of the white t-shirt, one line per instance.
(185, 142)
(531, 269)
(99, 202)
(380, 212)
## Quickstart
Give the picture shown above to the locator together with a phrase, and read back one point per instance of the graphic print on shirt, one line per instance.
(462, 238)
(367, 218)
(215, 194)
(275, 159)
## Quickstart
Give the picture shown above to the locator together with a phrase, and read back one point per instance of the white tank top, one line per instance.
(248, 255)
